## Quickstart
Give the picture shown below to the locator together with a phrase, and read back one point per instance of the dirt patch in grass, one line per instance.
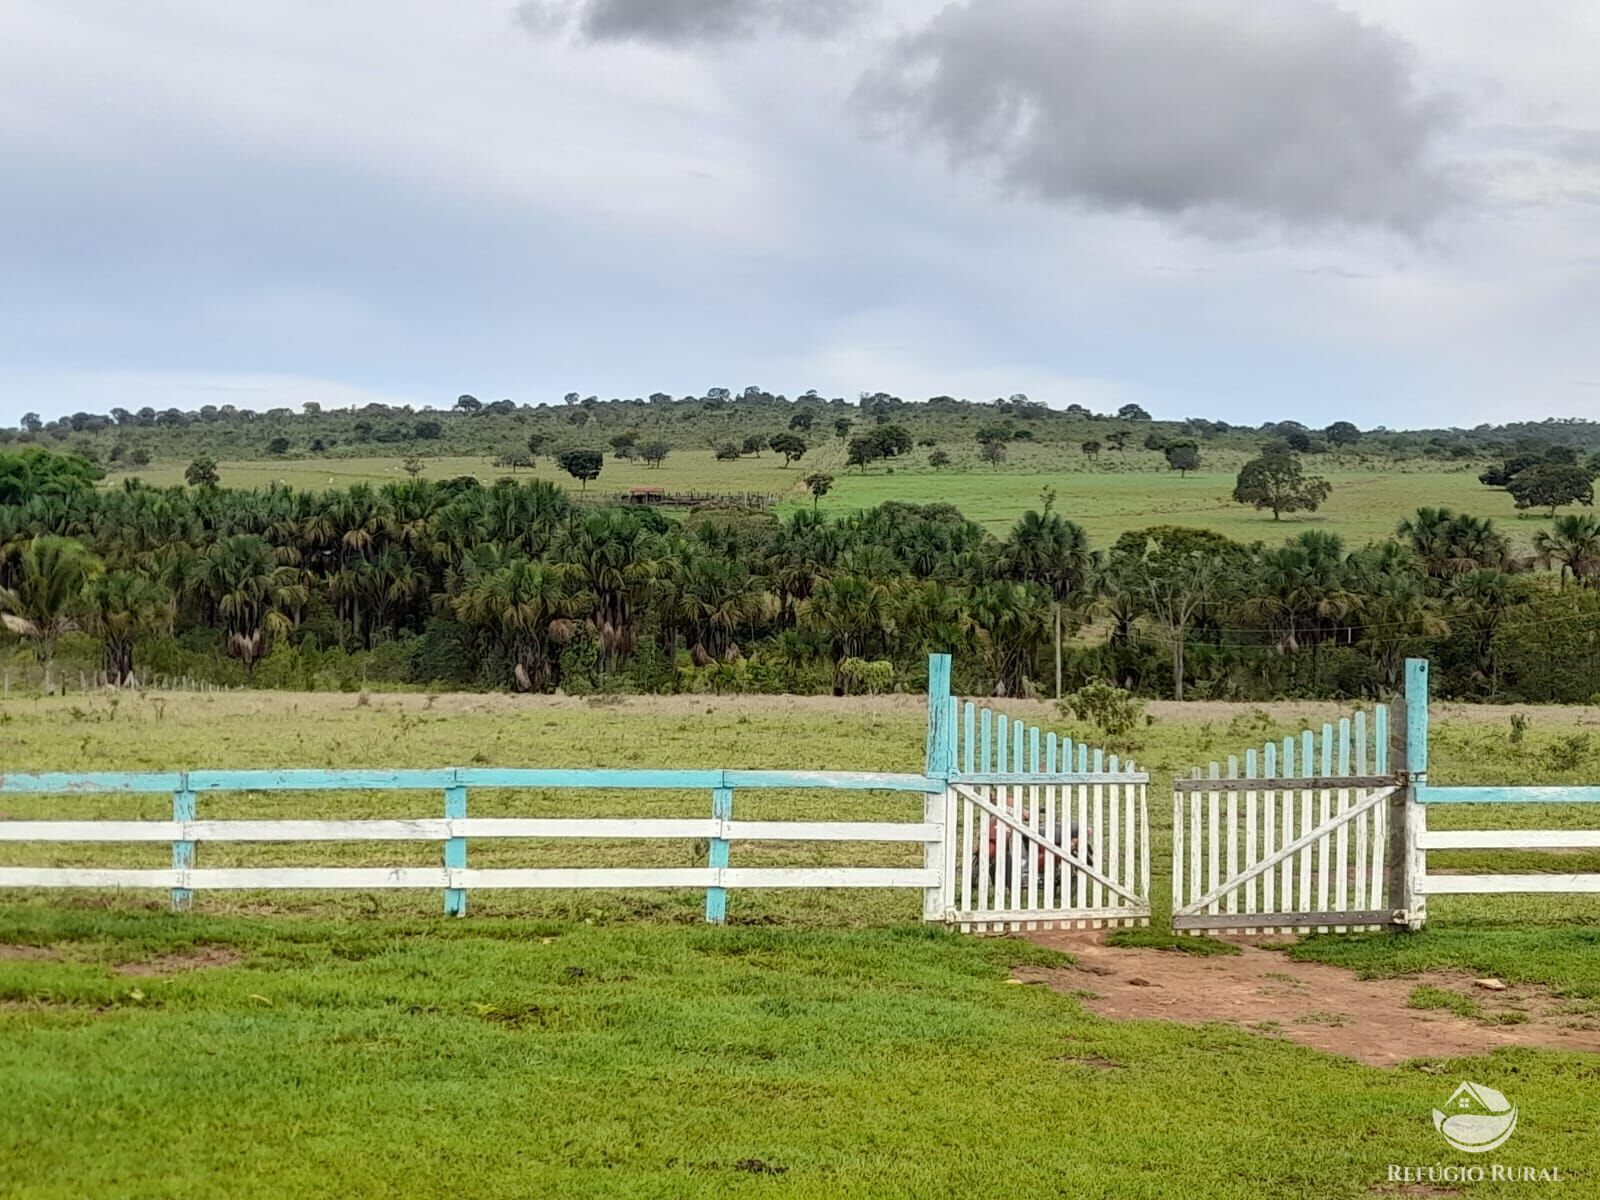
(1328, 1008)
(10, 953)
(188, 960)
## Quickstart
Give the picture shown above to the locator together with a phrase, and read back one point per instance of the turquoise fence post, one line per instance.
(455, 850)
(1415, 768)
(938, 807)
(182, 851)
(717, 897)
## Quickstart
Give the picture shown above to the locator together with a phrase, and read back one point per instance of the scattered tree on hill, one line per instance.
(862, 452)
(139, 456)
(841, 427)
(1091, 449)
(1183, 455)
(470, 405)
(819, 485)
(427, 431)
(202, 472)
(1276, 480)
(514, 460)
(1298, 440)
(623, 443)
(1118, 440)
(1551, 486)
(1342, 433)
(993, 453)
(754, 444)
(278, 445)
(792, 448)
(654, 453)
(537, 444)
(938, 459)
(727, 452)
(413, 465)
(801, 422)
(1132, 412)
(990, 434)
(582, 465)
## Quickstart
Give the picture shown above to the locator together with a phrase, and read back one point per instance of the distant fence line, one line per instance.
(665, 499)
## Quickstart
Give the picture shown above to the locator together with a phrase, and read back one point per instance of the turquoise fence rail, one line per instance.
(1421, 795)
(456, 828)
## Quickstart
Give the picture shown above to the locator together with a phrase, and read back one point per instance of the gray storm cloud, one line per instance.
(1209, 109)
(686, 21)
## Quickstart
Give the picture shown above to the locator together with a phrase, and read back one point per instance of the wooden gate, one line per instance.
(1303, 839)
(1042, 832)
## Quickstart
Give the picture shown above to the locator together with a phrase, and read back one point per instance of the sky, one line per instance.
(1385, 211)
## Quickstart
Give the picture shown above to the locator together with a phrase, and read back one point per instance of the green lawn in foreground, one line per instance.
(610, 1045)
(1122, 493)
(515, 1059)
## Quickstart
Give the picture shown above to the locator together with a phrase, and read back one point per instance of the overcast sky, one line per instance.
(1381, 210)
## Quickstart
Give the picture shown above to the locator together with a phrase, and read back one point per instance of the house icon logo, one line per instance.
(1476, 1119)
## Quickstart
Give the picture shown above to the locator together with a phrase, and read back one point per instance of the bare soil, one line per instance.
(189, 960)
(1326, 1008)
(164, 964)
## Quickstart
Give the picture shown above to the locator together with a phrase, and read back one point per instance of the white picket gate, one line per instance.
(1042, 833)
(1301, 840)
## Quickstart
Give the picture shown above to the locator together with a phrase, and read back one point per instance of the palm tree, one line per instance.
(615, 558)
(1572, 543)
(853, 614)
(1047, 549)
(1448, 543)
(47, 599)
(526, 607)
(125, 606)
(251, 593)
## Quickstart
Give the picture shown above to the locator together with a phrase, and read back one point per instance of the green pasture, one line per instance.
(824, 1044)
(1108, 497)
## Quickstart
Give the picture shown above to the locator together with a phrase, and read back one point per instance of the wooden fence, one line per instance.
(1048, 832)
(454, 829)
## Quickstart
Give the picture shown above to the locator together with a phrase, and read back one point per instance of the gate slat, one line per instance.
(1213, 857)
(1250, 834)
(1324, 811)
(1113, 832)
(1360, 886)
(1035, 821)
(1269, 813)
(1050, 824)
(1130, 834)
(1307, 769)
(1084, 832)
(1232, 853)
(1342, 859)
(1099, 825)
(1380, 815)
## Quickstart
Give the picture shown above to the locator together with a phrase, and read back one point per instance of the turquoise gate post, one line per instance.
(182, 852)
(939, 762)
(455, 850)
(1415, 768)
(717, 897)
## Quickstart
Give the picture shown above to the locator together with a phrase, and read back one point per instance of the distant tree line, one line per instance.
(512, 585)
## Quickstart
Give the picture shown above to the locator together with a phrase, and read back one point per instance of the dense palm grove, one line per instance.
(513, 585)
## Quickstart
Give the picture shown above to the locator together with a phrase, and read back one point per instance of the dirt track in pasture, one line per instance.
(1326, 1008)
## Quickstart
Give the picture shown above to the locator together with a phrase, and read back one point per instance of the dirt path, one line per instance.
(1324, 1007)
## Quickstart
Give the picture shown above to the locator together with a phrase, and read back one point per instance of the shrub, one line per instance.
(1111, 710)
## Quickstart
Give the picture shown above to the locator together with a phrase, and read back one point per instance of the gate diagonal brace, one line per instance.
(1300, 843)
(1032, 835)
